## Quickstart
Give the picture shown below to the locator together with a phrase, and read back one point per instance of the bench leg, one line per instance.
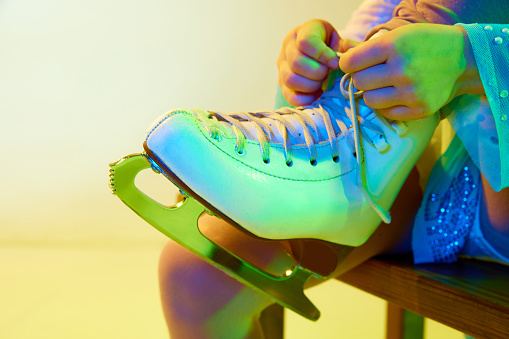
(272, 321)
(403, 324)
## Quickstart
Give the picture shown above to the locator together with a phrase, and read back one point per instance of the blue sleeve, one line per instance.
(482, 122)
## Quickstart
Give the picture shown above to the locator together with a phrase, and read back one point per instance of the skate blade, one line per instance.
(180, 223)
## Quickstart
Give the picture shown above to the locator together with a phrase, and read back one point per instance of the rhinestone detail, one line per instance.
(453, 213)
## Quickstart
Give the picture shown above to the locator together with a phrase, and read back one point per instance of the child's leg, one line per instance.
(494, 218)
(494, 211)
(200, 301)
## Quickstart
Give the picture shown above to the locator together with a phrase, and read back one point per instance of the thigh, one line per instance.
(273, 256)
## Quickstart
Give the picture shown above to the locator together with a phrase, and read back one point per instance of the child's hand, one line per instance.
(307, 54)
(414, 70)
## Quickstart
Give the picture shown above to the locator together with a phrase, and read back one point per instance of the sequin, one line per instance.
(505, 30)
(503, 117)
(498, 40)
(449, 216)
(488, 28)
(504, 94)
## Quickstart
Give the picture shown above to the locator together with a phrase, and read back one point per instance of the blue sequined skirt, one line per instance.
(449, 207)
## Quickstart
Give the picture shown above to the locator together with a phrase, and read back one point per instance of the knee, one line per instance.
(182, 271)
(190, 287)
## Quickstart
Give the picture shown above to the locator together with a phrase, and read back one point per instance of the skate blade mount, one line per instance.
(180, 223)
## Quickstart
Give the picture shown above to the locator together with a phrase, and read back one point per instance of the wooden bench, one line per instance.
(470, 296)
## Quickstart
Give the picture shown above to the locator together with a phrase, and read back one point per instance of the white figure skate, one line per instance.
(327, 171)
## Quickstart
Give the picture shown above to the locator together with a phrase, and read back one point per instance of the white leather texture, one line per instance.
(275, 201)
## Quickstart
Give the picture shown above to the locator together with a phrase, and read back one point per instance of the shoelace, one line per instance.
(325, 107)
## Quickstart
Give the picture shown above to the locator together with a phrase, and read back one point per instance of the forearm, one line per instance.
(370, 13)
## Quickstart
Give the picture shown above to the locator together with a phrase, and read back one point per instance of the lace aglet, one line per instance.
(386, 216)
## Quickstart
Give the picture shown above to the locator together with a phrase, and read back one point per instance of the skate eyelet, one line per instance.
(335, 158)
(216, 136)
(289, 164)
(313, 162)
(267, 161)
(381, 144)
(239, 152)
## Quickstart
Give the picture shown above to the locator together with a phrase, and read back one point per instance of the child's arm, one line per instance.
(416, 70)
(413, 71)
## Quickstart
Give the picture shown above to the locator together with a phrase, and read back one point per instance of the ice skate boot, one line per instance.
(327, 171)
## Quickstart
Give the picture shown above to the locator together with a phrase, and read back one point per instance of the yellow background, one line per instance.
(79, 83)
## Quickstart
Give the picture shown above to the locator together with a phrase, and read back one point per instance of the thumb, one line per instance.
(346, 44)
(318, 39)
